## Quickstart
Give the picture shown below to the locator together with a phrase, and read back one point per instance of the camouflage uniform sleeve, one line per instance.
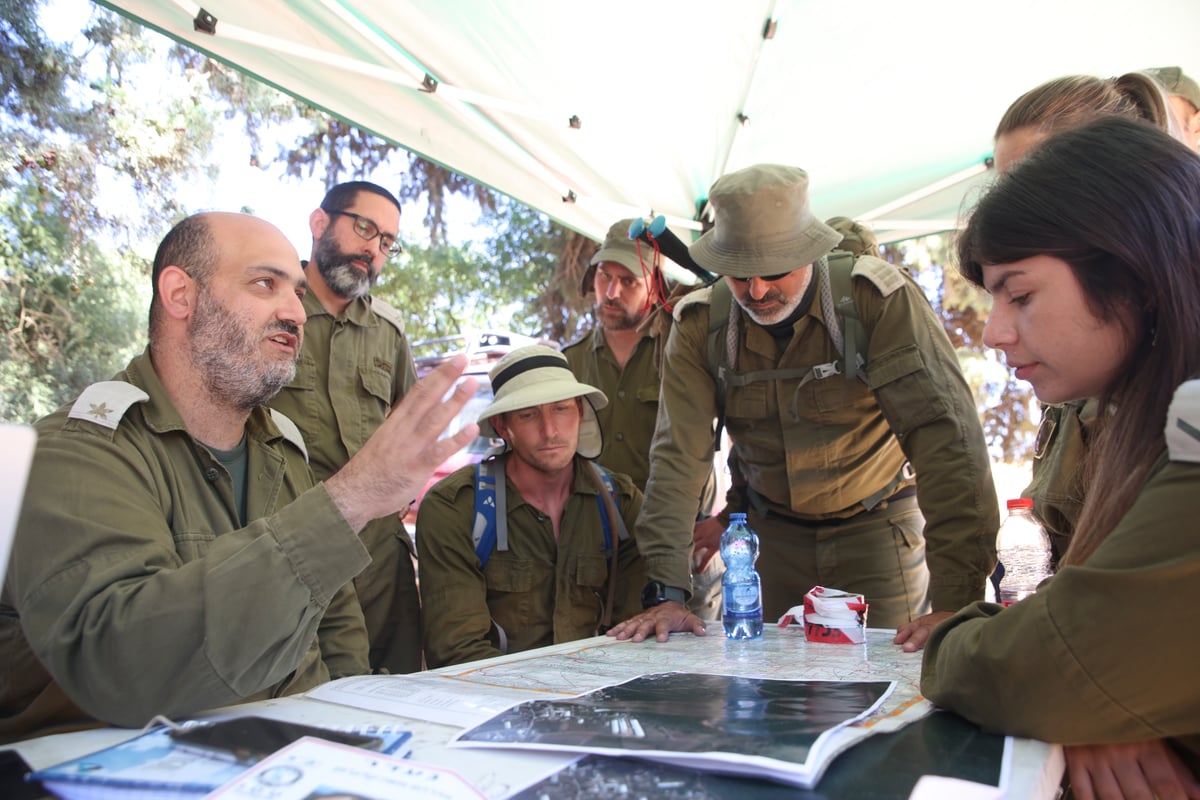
(1105, 651)
(914, 374)
(454, 611)
(105, 590)
(681, 453)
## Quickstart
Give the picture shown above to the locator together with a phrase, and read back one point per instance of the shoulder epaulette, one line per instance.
(886, 277)
(1183, 423)
(388, 313)
(106, 402)
(702, 295)
(289, 430)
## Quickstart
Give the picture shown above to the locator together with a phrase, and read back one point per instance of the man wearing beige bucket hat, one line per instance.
(621, 356)
(825, 458)
(563, 564)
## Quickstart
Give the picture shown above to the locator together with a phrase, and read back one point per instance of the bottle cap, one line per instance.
(737, 516)
(1020, 502)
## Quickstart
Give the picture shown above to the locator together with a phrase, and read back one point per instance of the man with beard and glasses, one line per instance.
(825, 460)
(559, 564)
(355, 366)
(622, 356)
(174, 551)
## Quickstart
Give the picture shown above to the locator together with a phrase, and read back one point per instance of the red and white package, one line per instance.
(831, 616)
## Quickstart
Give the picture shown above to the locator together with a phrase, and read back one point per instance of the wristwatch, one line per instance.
(657, 592)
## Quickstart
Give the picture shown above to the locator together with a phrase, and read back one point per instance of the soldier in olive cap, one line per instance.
(621, 356)
(820, 462)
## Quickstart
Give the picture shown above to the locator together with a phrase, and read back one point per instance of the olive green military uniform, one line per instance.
(1056, 488)
(539, 591)
(628, 425)
(628, 419)
(808, 454)
(352, 370)
(1106, 651)
(136, 585)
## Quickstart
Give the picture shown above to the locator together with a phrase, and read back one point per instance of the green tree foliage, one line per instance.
(516, 279)
(62, 331)
(67, 295)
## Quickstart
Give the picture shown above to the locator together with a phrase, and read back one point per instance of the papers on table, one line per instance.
(312, 768)
(154, 765)
(433, 698)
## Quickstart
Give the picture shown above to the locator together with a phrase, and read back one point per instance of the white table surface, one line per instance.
(588, 664)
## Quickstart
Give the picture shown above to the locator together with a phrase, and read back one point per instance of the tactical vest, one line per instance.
(836, 272)
(845, 329)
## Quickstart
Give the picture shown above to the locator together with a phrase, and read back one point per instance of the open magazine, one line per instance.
(784, 730)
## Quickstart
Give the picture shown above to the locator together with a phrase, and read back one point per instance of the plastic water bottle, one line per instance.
(740, 585)
(1023, 549)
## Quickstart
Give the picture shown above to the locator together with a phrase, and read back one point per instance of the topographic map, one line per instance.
(471, 693)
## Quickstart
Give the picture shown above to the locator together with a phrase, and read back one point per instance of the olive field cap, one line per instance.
(1176, 83)
(620, 249)
(856, 237)
(762, 224)
(534, 375)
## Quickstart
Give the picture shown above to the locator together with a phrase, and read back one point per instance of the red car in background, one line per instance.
(483, 350)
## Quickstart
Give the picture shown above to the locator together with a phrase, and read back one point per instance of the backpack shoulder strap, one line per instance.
(607, 524)
(720, 309)
(489, 531)
(853, 337)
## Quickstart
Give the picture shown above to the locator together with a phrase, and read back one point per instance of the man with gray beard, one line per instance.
(174, 552)
(355, 366)
(845, 469)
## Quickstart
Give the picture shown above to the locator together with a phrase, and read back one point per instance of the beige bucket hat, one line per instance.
(762, 224)
(533, 375)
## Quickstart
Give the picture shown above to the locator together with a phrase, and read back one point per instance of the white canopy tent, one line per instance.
(596, 111)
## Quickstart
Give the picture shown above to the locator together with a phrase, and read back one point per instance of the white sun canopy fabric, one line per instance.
(596, 111)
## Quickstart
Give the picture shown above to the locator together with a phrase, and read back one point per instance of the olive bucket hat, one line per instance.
(762, 224)
(534, 375)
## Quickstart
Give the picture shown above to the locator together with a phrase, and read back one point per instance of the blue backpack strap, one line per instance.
(605, 522)
(489, 531)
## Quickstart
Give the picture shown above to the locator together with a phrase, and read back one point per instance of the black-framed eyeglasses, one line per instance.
(767, 278)
(366, 229)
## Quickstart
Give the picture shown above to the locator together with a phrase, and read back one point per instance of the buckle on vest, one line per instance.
(823, 371)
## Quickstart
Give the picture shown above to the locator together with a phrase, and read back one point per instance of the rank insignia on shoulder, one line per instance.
(701, 295)
(1183, 423)
(106, 402)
